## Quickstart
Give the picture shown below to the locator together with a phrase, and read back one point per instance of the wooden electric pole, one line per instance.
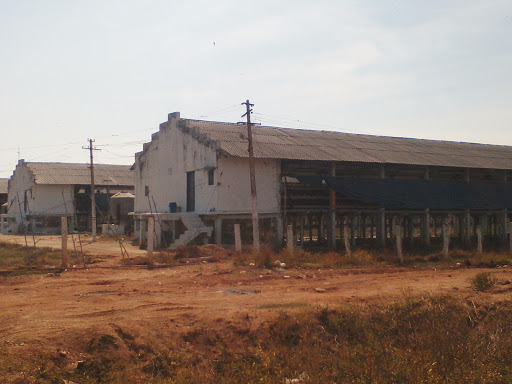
(254, 199)
(93, 200)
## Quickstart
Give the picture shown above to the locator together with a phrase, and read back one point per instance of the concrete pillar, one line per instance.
(301, 240)
(143, 231)
(426, 228)
(173, 231)
(310, 228)
(290, 240)
(151, 237)
(398, 235)
(136, 229)
(321, 233)
(238, 238)
(332, 230)
(446, 239)
(479, 248)
(332, 212)
(467, 227)
(510, 237)
(346, 239)
(484, 222)
(158, 233)
(353, 229)
(33, 225)
(381, 227)
(504, 224)
(279, 230)
(218, 230)
(410, 222)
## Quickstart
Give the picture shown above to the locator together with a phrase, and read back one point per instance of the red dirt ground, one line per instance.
(62, 309)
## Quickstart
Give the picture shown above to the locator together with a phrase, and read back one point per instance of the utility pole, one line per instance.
(93, 200)
(254, 199)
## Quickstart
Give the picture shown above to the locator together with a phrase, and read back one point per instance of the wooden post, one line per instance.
(238, 238)
(479, 248)
(64, 232)
(398, 234)
(346, 238)
(290, 240)
(151, 235)
(64, 235)
(218, 231)
(254, 199)
(446, 239)
(93, 198)
(510, 237)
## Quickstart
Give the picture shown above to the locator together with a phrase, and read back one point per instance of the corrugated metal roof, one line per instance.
(4, 185)
(297, 144)
(80, 174)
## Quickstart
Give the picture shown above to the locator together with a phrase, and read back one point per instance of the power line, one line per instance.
(221, 111)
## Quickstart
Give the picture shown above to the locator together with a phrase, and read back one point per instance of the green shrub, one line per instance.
(483, 281)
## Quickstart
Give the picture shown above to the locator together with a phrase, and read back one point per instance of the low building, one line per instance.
(193, 179)
(121, 205)
(3, 195)
(39, 194)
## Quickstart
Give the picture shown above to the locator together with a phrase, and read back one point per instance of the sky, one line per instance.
(112, 70)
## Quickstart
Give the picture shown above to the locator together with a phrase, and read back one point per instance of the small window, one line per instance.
(146, 191)
(211, 176)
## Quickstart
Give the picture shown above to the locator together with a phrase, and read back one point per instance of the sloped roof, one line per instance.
(80, 174)
(4, 185)
(297, 144)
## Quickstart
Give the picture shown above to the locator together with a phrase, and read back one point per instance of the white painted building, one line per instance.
(39, 194)
(183, 173)
(192, 180)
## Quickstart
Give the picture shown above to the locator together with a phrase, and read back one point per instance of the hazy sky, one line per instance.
(113, 70)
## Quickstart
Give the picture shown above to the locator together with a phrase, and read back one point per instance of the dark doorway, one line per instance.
(191, 192)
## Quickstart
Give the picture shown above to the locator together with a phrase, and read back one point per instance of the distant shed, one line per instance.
(40, 193)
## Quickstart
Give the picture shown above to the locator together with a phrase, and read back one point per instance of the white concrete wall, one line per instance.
(234, 191)
(22, 180)
(41, 199)
(163, 167)
(52, 199)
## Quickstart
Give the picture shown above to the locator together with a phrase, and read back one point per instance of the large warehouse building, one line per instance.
(193, 180)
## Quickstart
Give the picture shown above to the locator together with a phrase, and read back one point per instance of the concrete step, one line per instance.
(195, 227)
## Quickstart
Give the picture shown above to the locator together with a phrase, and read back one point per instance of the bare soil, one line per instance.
(62, 310)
